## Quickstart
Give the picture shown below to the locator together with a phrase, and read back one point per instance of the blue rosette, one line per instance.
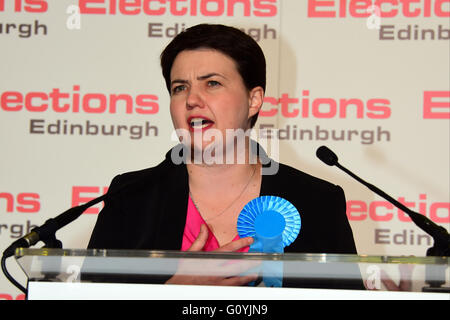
(274, 223)
(270, 219)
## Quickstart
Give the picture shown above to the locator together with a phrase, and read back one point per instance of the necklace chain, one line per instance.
(229, 206)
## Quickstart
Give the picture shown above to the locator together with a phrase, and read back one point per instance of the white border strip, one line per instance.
(112, 291)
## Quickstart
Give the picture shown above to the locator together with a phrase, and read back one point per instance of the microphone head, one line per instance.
(327, 156)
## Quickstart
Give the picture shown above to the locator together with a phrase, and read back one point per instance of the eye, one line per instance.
(213, 83)
(178, 89)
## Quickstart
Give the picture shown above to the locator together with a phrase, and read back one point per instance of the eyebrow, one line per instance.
(206, 76)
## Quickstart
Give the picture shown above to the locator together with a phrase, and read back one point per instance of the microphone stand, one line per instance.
(435, 278)
(47, 234)
(439, 234)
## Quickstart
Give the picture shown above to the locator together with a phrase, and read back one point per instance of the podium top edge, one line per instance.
(169, 254)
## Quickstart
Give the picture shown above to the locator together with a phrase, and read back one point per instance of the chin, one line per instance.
(208, 153)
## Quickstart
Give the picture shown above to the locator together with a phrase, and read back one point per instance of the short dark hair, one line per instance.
(243, 49)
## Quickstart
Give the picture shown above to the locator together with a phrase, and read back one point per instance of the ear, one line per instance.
(256, 99)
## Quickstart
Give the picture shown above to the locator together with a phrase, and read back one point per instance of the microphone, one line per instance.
(439, 234)
(46, 232)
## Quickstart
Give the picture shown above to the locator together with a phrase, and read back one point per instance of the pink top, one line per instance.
(192, 228)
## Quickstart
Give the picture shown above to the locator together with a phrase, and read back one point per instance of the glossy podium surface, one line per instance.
(138, 274)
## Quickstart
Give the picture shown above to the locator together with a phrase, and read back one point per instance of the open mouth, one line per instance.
(199, 123)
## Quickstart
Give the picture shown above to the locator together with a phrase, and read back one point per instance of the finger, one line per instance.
(405, 283)
(200, 241)
(236, 267)
(388, 282)
(239, 281)
(236, 245)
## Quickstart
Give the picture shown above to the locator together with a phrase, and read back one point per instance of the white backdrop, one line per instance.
(372, 83)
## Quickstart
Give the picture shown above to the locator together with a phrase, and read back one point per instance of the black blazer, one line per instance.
(151, 214)
(148, 211)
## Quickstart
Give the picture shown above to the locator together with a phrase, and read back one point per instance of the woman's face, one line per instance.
(208, 95)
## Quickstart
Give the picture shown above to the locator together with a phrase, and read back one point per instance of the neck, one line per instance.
(231, 149)
(210, 178)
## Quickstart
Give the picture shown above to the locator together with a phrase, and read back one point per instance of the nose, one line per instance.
(194, 98)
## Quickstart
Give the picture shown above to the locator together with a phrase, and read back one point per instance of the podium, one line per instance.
(138, 274)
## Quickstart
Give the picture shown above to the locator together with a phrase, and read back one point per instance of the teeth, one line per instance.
(199, 123)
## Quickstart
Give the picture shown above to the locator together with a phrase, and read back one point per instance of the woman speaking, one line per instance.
(216, 78)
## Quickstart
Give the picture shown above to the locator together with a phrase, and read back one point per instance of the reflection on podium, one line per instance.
(138, 274)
